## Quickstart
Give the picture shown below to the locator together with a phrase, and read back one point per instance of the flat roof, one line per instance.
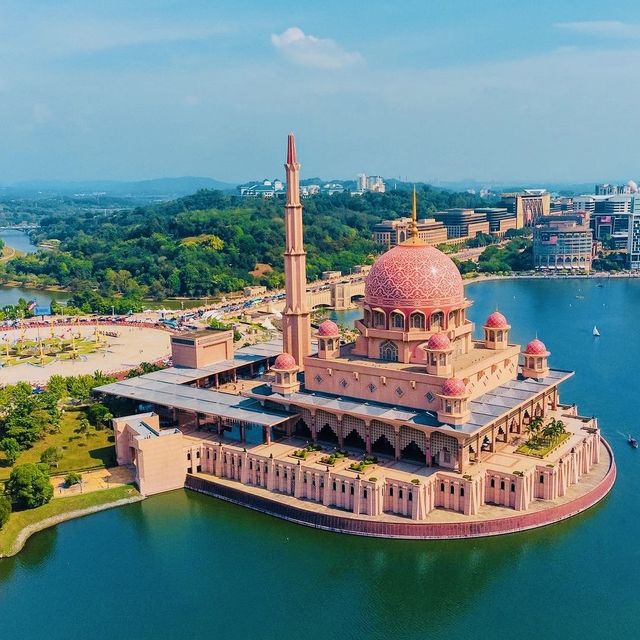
(484, 409)
(199, 333)
(206, 401)
(245, 355)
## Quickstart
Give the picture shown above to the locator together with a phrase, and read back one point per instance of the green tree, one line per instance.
(51, 456)
(11, 449)
(28, 486)
(99, 415)
(83, 426)
(5, 510)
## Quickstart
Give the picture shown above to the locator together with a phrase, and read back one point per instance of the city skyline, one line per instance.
(431, 93)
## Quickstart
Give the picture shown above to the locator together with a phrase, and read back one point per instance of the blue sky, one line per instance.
(491, 90)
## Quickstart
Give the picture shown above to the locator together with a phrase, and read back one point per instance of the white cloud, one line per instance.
(602, 28)
(309, 51)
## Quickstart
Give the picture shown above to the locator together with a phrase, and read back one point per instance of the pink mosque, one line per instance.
(415, 430)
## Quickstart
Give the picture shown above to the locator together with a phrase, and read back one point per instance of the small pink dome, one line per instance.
(536, 348)
(453, 387)
(439, 341)
(284, 361)
(328, 328)
(496, 321)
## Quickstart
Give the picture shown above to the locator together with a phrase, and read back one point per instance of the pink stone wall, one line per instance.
(417, 530)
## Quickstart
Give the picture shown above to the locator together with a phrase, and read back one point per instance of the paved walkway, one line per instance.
(93, 481)
(126, 350)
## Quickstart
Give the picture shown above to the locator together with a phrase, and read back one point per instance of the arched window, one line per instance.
(417, 320)
(453, 319)
(437, 320)
(379, 319)
(389, 351)
(367, 317)
(397, 320)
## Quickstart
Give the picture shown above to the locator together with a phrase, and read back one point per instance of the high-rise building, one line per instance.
(562, 242)
(369, 183)
(527, 205)
(633, 240)
(614, 189)
(376, 184)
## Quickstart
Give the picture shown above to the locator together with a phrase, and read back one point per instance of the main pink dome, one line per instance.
(284, 361)
(414, 276)
(496, 321)
(328, 328)
(536, 348)
(438, 342)
(453, 387)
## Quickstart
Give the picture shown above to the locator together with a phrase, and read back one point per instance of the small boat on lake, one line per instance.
(595, 332)
(632, 442)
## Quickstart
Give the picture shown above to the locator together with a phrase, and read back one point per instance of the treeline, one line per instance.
(205, 244)
(27, 416)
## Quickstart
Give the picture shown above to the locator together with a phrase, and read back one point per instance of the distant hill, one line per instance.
(161, 188)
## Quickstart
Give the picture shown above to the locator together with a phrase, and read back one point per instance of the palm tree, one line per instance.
(534, 427)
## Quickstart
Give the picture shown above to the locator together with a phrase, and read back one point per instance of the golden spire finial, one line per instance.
(414, 238)
(414, 216)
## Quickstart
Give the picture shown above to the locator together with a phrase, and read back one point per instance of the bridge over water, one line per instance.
(337, 295)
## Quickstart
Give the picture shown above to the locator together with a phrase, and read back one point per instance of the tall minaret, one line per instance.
(296, 326)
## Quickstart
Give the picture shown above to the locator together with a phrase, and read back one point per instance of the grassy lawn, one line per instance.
(79, 451)
(542, 448)
(21, 519)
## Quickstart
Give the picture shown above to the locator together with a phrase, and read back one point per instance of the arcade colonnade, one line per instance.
(413, 497)
(432, 447)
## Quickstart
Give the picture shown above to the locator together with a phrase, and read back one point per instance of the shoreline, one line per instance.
(26, 532)
(599, 275)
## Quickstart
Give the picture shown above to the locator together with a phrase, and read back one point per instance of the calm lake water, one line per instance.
(183, 565)
(10, 295)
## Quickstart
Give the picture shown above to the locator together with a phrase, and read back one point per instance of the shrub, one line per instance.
(415, 481)
(72, 478)
(5, 510)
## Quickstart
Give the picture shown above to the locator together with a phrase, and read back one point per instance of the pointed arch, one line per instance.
(397, 320)
(417, 320)
(389, 351)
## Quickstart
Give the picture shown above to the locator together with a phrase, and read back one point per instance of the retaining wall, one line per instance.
(410, 529)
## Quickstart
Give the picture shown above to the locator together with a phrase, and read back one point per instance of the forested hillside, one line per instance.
(207, 243)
